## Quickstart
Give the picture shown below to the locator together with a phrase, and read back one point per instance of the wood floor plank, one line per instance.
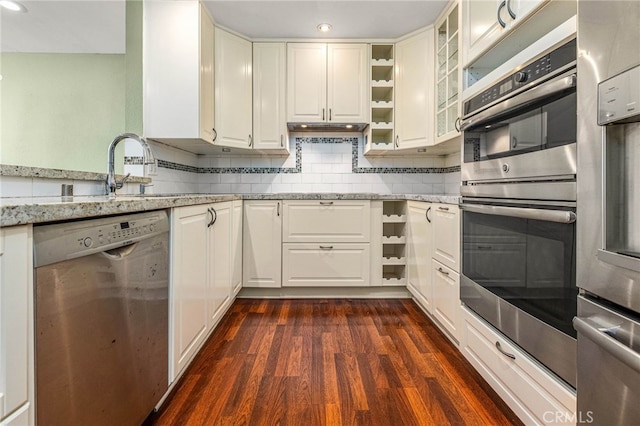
(330, 362)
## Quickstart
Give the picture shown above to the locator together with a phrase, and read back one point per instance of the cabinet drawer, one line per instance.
(446, 235)
(325, 265)
(446, 298)
(337, 221)
(532, 393)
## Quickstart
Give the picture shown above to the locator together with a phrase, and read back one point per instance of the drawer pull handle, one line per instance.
(326, 203)
(443, 272)
(507, 354)
(446, 209)
(427, 214)
(326, 247)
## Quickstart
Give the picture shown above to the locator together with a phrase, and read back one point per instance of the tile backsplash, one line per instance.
(327, 163)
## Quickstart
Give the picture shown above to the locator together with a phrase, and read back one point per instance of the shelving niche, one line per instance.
(380, 133)
(394, 234)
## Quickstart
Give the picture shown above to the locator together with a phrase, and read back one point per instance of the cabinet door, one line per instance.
(326, 265)
(262, 244)
(419, 244)
(207, 117)
(269, 85)
(481, 18)
(446, 298)
(15, 319)
(188, 292)
(306, 82)
(414, 91)
(347, 83)
(446, 235)
(236, 248)
(219, 261)
(522, 8)
(233, 92)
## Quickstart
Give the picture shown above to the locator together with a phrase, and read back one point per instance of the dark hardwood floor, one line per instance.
(330, 362)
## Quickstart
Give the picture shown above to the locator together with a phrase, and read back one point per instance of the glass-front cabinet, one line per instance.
(447, 74)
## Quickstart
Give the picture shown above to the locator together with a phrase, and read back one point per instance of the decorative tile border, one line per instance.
(355, 168)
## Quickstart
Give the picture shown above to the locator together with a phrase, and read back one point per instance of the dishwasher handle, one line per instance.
(601, 336)
(120, 252)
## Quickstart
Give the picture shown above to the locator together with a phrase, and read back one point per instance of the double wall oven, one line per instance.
(519, 207)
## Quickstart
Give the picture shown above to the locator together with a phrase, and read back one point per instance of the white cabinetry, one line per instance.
(414, 85)
(531, 392)
(16, 335)
(380, 133)
(446, 235)
(262, 244)
(489, 21)
(202, 265)
(178, 72)
(236, 250)
(394, 243)
(326, 243)
(447, 79)
(269, 96)
(433, 262)
(327, 83)
(419, 247)
(233, 90)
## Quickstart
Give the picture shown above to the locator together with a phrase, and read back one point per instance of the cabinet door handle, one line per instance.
(281, 141)
(329, 114)
(511, 12)
(500, 21)
(326, 203)
(443, 272)
(278, 209)
(250, 141)
(507, 354)
(215, 134)
(427, 214)
(322, 114)
(446, 209)
(326, 247)
(214, 217)
(457, 124)
(397, 137)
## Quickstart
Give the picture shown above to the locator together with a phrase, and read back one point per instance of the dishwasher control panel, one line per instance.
(62, 241)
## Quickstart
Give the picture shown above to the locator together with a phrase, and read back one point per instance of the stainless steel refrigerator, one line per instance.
(608, 238)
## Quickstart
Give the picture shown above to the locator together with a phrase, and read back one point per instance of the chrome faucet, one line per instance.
(147, 155)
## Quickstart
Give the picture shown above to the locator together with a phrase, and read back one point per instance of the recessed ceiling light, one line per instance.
(324, 28)
(13, 6)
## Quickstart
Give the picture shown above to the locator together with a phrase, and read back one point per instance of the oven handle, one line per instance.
(558, 84)
(559, 216)
(599, 335)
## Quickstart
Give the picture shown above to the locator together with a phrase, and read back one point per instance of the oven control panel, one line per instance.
(523, 76)
(619, 98)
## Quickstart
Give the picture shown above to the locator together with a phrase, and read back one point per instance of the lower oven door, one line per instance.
(518, 273)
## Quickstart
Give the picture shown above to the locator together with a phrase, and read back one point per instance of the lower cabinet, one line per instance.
(326, 265)
(236, 251)
(533, 394)
(16, 336)
(446, 298)
(419, 244)
(262, 244)
(202, 266)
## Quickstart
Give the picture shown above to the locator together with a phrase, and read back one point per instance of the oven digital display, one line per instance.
(124, 225)
(507, 86)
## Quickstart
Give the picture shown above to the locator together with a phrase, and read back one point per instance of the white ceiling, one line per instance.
(350, 19)
(71, 26)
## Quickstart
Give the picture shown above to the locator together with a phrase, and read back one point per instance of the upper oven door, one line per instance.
(529, 136)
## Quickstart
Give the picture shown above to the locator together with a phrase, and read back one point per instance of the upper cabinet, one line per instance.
(178, 72)
(414, 91)
(327, 83)
(269, 96)
(447, 99)
(488, 21)
(233, 90)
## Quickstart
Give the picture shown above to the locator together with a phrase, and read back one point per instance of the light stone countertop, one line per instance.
(24, 210)
(40, 172)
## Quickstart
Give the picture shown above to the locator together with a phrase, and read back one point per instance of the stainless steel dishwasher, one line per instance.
(101, 319)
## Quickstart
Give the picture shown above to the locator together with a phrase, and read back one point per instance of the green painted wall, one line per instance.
(62, 110)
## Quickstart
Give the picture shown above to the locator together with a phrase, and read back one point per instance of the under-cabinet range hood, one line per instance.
(327, 127)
